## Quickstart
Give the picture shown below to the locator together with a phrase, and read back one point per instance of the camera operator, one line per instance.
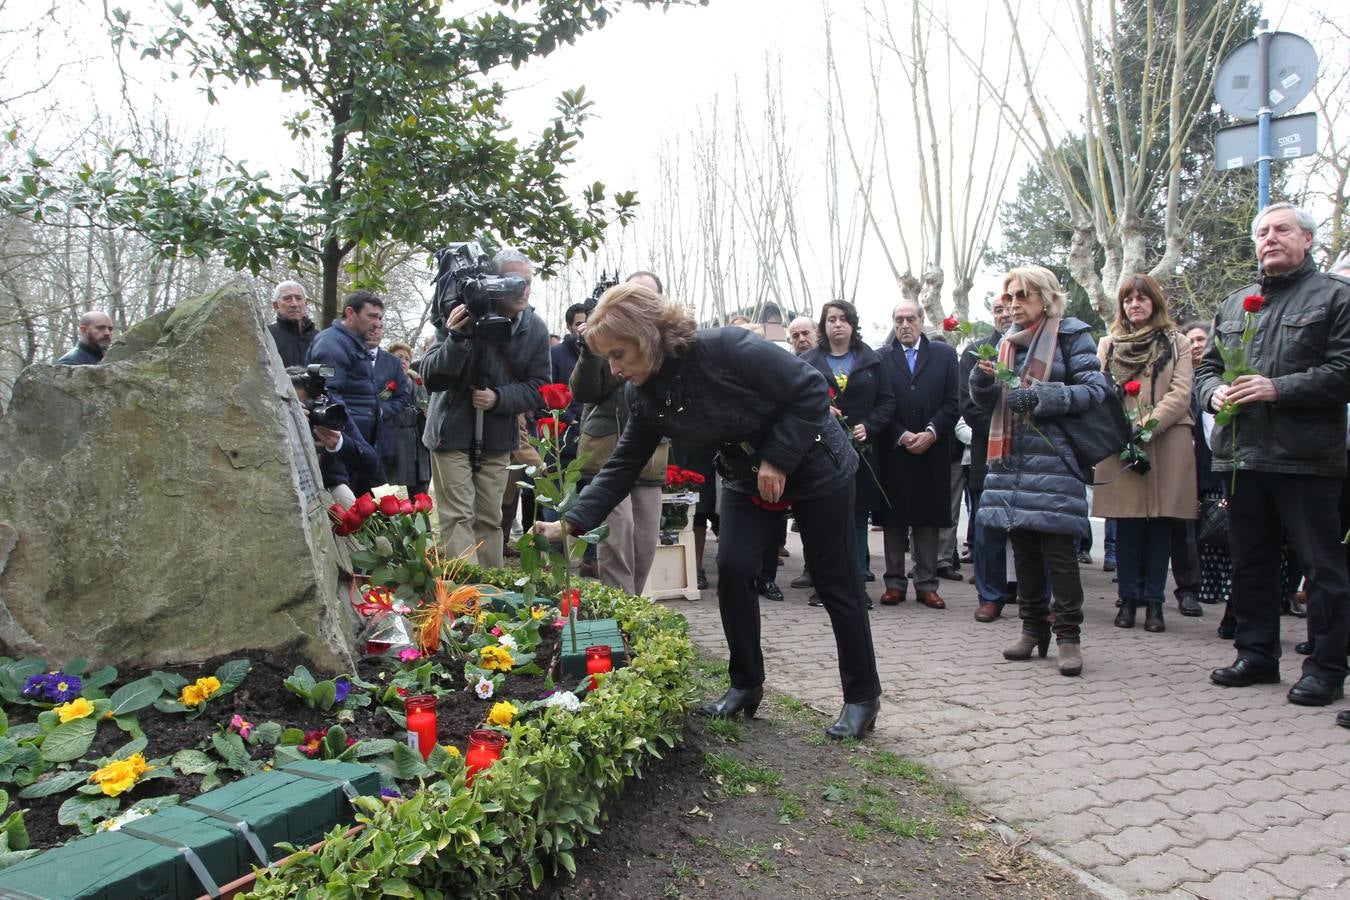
(562, 360)
(344, 456)
(490, 377)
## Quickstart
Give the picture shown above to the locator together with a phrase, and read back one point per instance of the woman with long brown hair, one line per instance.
(1150, 361)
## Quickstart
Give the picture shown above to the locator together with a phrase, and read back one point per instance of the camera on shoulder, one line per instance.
(465, 277)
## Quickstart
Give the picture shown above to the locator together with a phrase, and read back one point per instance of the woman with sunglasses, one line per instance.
(1033, 489)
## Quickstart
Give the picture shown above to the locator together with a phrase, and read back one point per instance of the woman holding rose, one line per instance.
(768, 413)
(1155, 483)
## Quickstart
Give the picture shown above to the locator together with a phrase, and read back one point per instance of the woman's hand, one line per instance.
(553, 531)
(772, 480)
(986, 366)
(860, 432)
(834, 411)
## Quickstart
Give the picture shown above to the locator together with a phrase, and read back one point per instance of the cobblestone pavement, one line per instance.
(1141, 772)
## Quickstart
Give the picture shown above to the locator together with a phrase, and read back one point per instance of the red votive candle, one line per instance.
(421, 711)
(485, 748)
(598, 659)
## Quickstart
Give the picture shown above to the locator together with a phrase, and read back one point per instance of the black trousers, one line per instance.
(768, 570)
(1185, 558)
(828, 543)
(1265, 506)
(1038, 557)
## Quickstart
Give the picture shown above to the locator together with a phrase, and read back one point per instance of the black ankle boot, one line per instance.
(855, 720)
(1125, 618)
(733, 701)
(1153, 618)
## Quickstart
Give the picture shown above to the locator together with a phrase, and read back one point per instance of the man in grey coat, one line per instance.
(1285, 450)
(467, 376)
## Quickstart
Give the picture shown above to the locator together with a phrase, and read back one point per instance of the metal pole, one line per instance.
(1263, 115)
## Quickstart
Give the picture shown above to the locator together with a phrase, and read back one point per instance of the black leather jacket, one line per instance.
(743, 395)
(1302, 343)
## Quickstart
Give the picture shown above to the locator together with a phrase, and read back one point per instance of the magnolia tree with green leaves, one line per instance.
(399, 97)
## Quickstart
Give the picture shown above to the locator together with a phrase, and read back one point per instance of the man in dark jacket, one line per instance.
(989, 556)
(293, 331)
(1286, 442)
(96, 331)
(342, 345)
(395, 395)
(917, 454)
(562, 360)
(469, 376)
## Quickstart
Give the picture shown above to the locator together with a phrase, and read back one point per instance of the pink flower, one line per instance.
(238, 724)
(408, 654)
(496, 630)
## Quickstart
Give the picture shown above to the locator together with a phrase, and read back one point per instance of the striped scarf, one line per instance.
(1040, 357)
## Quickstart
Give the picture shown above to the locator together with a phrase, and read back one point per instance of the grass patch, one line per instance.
(736, 777)
(885, 764)
(729, 730)
(790, 808)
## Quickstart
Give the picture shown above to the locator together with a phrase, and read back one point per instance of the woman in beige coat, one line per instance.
(1150, 361)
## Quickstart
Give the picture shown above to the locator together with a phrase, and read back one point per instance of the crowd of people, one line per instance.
(1233, 478)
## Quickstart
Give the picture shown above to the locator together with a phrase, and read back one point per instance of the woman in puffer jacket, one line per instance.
(1034, 489)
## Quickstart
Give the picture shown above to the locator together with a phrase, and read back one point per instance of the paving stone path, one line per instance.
(1140, 772)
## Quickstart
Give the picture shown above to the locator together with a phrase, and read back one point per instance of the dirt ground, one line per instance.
(772, 808)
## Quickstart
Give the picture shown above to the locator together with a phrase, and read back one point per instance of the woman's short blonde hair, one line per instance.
(632, 312)
(1042, 281)
(397, 346)
(1147, 286)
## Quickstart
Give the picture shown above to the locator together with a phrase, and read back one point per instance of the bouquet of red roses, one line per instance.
(391, 539)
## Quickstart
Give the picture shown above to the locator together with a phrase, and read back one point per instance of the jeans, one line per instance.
(991, 565)
(1143, 547)
(1110, 540)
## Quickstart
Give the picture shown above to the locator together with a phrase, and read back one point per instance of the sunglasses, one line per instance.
(1017, 295)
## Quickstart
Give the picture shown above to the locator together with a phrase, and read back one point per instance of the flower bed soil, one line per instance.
(262, 698)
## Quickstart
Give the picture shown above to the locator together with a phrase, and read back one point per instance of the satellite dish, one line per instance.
(1293, 72)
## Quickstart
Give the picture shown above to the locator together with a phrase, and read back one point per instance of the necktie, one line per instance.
(910, 353)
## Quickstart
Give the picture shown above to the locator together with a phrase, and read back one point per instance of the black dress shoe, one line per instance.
(814, 600)
(1314, 690)
(1304, 648)
(1189, 605)
(1343, 718)
(855, 720)
(702, 581)
(769, 590)
(1244, 672)
(736, 700)
(949, 573)
(1153, 618)
(869, 576)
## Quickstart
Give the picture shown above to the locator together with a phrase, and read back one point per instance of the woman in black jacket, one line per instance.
(862, 398)
(768, 413)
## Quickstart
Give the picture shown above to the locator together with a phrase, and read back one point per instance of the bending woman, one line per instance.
(768, 414)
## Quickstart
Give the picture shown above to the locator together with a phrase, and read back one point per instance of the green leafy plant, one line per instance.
(193, 698)
(344, 691)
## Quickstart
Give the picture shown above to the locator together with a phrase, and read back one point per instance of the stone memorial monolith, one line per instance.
(166, 506)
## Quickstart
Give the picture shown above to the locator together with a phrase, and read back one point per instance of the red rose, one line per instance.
(1252, 303)
(365, 506)
(696, 478)
(389, 505)
(951, 323)
(1132, 388)
(551, 426)
(406, 508)
(556, 396)
(777, 506)
(422, 503)
(351, 521)
(391, 385)
(831, 390)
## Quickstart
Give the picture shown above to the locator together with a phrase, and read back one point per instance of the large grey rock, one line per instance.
(166, 506)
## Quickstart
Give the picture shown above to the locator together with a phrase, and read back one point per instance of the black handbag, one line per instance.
(1211, 529)
(1097, 433)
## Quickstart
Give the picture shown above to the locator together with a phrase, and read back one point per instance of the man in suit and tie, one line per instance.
(917, 454)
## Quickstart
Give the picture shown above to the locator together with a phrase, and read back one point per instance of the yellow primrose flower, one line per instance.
(502, 714)
(192, 695)
(120, 775)
(75, 709)
(450, 750)
(496, 659)
(210, 685)
(538, 612)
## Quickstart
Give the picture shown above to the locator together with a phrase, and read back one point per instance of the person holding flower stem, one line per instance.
(1284, 450)
(767, 412)
(863, 401)
(1152, 483)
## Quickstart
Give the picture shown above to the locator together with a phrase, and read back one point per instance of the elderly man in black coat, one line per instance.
(917, 454)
